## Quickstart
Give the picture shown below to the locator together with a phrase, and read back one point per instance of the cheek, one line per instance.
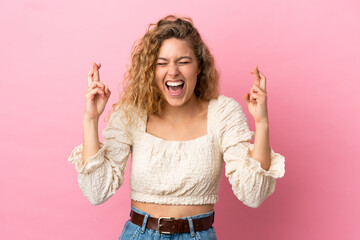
(158, 83)
(193, 84)
(192, 77)
(158, 79)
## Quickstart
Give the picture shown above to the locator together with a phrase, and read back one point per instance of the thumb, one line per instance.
(246, 97)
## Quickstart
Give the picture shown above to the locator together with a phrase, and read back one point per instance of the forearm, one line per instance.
(90, 139)
(261, 151)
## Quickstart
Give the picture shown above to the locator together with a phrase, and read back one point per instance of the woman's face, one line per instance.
(176, 71)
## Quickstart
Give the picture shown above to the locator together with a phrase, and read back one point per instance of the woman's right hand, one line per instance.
(96, 95)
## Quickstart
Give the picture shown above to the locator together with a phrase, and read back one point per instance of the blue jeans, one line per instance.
(132, 231)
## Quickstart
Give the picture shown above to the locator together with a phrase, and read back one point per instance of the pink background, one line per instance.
(308, 50)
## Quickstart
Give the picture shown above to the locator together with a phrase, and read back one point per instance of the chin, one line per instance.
(175, 102)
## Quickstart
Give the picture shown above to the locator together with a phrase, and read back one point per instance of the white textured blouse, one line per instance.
(179, 172)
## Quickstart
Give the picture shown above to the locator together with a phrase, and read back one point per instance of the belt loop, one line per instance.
(144, 222)
(191, 227)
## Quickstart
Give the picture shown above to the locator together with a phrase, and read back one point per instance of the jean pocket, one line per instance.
(135, 231)
(213, 237)
(130, 231)
(208, 234)
(136, 235)
(126, 225)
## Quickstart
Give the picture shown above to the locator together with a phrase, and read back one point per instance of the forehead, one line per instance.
(173, 47)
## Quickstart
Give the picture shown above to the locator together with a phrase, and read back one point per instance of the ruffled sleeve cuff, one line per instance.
(91, 163)
(277, 164)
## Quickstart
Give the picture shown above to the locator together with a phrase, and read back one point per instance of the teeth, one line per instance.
(173, 84)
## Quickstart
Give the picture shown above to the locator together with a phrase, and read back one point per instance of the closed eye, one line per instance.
(161, 63)
(184, 62)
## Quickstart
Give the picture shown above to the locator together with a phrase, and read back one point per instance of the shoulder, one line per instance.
(227, 107)
(117, 115)
(121, 116)
(230, 121)
(119, 125)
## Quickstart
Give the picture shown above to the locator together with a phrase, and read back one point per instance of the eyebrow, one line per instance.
(182, 57)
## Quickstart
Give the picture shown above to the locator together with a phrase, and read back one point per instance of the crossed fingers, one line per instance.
(93, 78)
(258, 90)
(93, 74)
(259, 78)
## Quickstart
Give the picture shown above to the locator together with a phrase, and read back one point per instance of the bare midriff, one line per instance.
(175, 211)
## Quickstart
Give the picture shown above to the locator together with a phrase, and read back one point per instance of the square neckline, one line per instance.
(205, 136)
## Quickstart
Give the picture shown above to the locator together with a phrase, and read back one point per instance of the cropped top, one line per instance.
(179, 172)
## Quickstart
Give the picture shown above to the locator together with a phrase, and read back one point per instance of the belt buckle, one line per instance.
(159, 224)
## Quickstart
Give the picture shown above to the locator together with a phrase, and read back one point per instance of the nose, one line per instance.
(173, 70)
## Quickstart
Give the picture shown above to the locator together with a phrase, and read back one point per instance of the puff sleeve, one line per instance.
(250, 182)
(103, 173)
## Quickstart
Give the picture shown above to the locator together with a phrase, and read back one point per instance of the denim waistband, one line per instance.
(206, 214)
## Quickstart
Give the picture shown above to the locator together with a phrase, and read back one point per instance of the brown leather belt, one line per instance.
(167, 225)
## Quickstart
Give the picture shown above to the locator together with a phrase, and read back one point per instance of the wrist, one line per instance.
(90, 121)
(262, 125)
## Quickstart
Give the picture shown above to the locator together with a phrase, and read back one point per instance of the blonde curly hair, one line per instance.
(140, 92)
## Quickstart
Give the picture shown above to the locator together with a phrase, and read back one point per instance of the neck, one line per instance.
(183, 112)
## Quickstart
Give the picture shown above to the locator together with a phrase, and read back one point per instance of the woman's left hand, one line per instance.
(256, 100)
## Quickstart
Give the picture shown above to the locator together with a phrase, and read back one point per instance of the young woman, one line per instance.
(179, 130)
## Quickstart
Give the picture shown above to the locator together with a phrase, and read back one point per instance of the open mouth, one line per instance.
(175, 88)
